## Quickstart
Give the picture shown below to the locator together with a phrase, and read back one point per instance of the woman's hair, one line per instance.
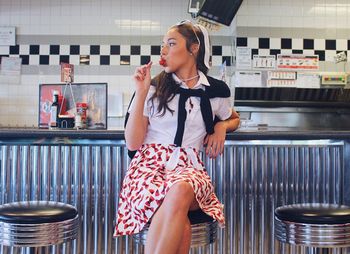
(166, 87)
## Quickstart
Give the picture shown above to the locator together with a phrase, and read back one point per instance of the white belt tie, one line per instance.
(174, 159)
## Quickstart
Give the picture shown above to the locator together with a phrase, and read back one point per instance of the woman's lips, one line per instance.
(162, 62)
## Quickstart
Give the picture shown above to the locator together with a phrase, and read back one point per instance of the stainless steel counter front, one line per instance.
(251, 178)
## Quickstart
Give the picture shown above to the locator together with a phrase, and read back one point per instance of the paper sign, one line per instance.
(7, 35)
(281, 83)
(248, 79)
(11, 66)
(308, 80)
(115, 104)
(264, 62)
(298, 62)
(67, 72)
(243, 58)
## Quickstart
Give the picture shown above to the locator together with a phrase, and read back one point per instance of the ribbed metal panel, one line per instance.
(251, 179)
(262, 175)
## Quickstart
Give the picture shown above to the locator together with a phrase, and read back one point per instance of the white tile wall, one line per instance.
(305, 14)
(95, 17)
(18, 102)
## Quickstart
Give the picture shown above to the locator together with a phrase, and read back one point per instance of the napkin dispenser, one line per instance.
(65, 122)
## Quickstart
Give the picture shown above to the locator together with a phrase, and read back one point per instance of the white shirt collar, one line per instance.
(201, 81)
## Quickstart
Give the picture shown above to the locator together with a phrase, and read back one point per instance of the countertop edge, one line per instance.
(243, 134)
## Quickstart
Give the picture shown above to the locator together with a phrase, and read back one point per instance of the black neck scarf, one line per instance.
(206, 111)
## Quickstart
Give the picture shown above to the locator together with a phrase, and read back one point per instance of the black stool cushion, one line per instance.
(36, 212)
(198, 216)
(314, 213)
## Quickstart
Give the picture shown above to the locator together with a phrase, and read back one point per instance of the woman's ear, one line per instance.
(194, 49)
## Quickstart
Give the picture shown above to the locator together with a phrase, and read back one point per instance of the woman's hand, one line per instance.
(215, 142)
(142, 78)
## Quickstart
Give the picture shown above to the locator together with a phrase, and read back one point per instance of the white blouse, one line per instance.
(162, 129)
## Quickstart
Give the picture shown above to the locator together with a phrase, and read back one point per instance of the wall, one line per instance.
(49, 32)
(318, 27)
(117, 36)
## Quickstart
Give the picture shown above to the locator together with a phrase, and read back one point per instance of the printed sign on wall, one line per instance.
(243, 58)
(264, 62)
(7, 35)
(298, 62)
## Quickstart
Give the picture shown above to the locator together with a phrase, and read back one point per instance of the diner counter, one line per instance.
(262, 167)
(243, 133)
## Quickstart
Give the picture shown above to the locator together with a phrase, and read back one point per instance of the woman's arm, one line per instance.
(215, 142)
(137, 124)
(230, 124)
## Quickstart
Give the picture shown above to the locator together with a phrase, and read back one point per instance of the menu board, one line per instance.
(298, 62)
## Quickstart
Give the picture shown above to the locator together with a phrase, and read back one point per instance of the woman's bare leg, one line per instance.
(185, 244)
(168, 223)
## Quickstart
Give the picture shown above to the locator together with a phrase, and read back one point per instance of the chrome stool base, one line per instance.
(37, 224)
(202, 234)
(203, 228)
(29, 235)
(325, 236)
(313, 225)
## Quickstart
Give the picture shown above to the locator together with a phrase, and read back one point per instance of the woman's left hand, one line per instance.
(214, 143)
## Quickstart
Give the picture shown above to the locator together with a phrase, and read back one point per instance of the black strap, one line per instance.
(216, 89)
(206, 111)
(131, 154)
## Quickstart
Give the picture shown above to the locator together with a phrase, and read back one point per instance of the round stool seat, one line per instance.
(313, 224)
(314, 213)
(198, 216)
(37, 223)
(203, 229)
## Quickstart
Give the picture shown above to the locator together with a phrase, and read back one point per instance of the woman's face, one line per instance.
(174, 52)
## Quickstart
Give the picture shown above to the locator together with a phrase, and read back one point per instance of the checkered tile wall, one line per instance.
(96, 54)
(324, 48)
(141, 54)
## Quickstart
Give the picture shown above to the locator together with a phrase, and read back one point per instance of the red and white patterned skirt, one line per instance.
(148, 180)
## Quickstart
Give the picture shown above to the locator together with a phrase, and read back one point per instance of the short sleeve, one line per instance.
(148, 104)
(224, 110)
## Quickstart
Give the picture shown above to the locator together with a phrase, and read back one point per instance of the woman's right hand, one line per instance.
(142, 77)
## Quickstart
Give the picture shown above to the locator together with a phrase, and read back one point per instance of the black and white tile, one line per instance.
(326, 49)
(55, 54)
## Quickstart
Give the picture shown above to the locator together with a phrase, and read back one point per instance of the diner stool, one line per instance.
(37, 224)
(204, 230)
(314, 225)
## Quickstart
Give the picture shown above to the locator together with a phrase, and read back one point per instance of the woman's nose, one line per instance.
(163, 50)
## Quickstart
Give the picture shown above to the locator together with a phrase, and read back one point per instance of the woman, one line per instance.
(171, 118)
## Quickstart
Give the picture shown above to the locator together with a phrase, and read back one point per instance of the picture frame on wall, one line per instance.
(95, 95)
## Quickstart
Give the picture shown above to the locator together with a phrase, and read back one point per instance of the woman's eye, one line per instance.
(171, 44)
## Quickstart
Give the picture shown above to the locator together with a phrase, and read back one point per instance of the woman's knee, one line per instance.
(180, 195)
(182, 190)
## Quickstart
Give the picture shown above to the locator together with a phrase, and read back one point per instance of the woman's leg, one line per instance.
(168, 223)
(185, 244)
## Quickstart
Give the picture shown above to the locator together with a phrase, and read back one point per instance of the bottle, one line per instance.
(54, 111)
(81, 119)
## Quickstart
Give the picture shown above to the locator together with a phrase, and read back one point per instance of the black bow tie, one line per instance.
(206, 111)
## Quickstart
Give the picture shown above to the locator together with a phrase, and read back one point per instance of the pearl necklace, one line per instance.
(188, 79)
